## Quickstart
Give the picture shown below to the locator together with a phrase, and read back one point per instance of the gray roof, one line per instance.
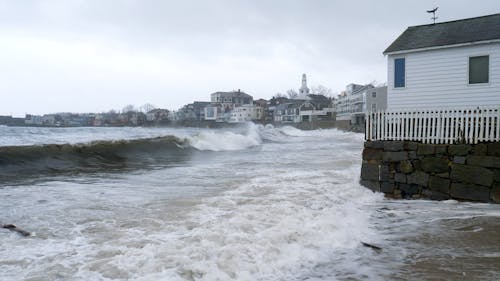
(448, 33)
(232, 94)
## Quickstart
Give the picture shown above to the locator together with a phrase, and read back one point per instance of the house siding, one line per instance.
(380, 100)
(439, 78)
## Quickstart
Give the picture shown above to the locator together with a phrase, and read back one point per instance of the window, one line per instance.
(399, 73)
(374, 94)
(374, 107)
(479, 69)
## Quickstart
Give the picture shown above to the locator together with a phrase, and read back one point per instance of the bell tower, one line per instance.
(304, 90)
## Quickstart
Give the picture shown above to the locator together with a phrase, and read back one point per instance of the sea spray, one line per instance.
(227, 141)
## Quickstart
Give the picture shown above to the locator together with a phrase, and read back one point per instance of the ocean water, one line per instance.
(248, 203)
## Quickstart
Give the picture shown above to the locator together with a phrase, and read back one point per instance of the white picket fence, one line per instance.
(438, 126)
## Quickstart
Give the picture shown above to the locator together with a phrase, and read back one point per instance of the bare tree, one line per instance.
(322, 90)
(292, 93)
(129, 108)
(279, 95)
(147, 107)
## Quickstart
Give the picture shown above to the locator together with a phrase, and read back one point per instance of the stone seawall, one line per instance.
(410, 170)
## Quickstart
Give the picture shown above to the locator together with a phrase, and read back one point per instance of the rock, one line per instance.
(375, 248)
(459, 159)
(409, 190)
(412, 154)
(439, 184)
(426, 149)
(384, 174)
(418, 177)
(416, 165)
(398, 177)
(387, 187)
(372, 154)
(370, 172)
(411, 146)
(374, 144)
(436, 195)
(405, 167)
(480, 149)
(426, 193)
(471, 174)
(496, 175)
(441, 149)
(470, 192)
(397, 194)
(393, 146)
(494, 149)
(459, 149)
(434, 165)
(443, 175)
(372, 185)
(14, 228)
(495, 193)
(395, 156)
(484, 161)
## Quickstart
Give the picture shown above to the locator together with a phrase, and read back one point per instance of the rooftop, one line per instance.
(462, 31)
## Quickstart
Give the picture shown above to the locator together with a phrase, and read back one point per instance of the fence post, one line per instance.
(497, 121)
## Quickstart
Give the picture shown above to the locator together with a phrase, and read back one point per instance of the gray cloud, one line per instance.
(105, 54)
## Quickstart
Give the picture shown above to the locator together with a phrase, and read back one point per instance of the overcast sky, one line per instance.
(93, 56)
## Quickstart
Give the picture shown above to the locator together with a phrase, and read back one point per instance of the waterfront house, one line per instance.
(454, 63)
(192, 113)
(246, 113)
(443, 84)
(316, 107)
(440, 135)
(222, 104)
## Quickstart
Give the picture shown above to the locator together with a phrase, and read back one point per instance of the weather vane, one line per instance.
(433, 11)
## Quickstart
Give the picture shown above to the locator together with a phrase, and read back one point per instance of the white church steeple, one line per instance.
(303, 91)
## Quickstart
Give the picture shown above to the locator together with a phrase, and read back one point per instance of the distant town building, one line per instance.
(33, 120)
(193, 112)
(305, 107)
(246, 113)
(230, 100)
(157, 116)
(316, 107)
(11, 121)
(352, 104)
(223, 103)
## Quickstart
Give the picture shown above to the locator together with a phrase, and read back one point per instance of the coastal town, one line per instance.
(305, 108)
(250, 140)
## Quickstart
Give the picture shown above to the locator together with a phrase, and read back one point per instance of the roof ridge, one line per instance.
(446, 22)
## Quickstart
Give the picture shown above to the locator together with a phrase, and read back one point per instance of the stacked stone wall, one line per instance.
(410, 170)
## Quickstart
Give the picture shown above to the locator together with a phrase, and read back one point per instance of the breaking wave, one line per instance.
(109, 155)
(150, 152)
(16, 161)
(227, 141)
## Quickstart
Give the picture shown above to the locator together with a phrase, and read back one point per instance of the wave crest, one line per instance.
(16, 161)
(227, 141)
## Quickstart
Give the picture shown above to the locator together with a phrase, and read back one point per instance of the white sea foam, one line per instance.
(291, 210)
(226, 140)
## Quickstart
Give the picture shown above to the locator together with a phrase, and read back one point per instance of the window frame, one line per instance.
(468, 70)
(394, 73)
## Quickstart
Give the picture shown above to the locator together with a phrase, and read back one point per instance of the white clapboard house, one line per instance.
(443, 84)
